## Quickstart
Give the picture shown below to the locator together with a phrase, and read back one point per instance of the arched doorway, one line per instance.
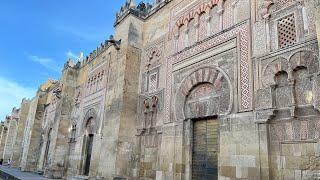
(88, 144)
(205, 141)
(204, 96)
(46, 153)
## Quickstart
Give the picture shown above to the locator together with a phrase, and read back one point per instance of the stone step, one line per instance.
(79, 177)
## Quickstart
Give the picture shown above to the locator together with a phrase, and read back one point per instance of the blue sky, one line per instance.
(37, 37)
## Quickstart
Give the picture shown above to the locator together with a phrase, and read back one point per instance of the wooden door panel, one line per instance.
(205, 150)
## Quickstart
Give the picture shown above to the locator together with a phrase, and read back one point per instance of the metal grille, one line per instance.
(205, 150)
(287, 31)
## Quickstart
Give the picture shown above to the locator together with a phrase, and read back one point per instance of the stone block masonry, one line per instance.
(185, 89)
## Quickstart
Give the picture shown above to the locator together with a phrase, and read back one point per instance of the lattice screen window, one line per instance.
(153, 82)
(287, 31)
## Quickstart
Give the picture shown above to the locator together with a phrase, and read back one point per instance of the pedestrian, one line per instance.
(9, 162)
(1, 161)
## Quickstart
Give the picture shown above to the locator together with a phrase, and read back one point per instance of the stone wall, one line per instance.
(285, 82)
(132, 108)
(17, 150)
(317, 17)
(12, 122)
(4, 132)
(56, 126)
(95, 77)
(33, 128)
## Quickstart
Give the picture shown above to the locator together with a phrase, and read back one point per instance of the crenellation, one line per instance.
(142, 10)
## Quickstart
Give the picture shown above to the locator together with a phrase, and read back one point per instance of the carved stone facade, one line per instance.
(185, 89)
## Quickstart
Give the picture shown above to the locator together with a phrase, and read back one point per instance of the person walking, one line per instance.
(9, 162)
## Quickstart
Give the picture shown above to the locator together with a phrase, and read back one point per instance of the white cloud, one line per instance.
(72, 55)
(46, 62)
(11, 94)
(86, 34)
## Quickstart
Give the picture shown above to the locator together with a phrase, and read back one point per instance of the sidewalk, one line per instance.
(15, 174)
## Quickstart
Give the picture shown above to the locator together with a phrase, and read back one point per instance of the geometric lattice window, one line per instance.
(286, 31)
(153, 82)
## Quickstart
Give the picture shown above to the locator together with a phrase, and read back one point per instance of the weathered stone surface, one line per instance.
(17, 149)
(128, 110)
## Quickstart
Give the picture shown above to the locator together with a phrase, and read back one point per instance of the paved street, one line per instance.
(12, 173)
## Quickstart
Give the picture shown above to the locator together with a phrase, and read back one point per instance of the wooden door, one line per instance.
(205, 149)
(89, 144)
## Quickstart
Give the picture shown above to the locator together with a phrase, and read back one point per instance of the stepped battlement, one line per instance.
(142, 10)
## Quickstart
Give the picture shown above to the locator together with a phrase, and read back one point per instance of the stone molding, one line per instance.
(263, 116)
(241, 32)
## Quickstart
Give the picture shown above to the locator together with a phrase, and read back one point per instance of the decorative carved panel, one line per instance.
(295, 130)
(283, 92)
(199, 102)
(244, 87)
(182, 38)
(203, 27)
(303, 87)
(96, 81)
(153, 83)
(228, 19)
(280, 4)
(192, 32)
(149, 107)
(205, 92)
(264, 98)
(150, 81)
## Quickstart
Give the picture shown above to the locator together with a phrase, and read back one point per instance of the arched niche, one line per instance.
(291, 78)
(205, 92)
(90, 125)
(272, 69)
(301, 58)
